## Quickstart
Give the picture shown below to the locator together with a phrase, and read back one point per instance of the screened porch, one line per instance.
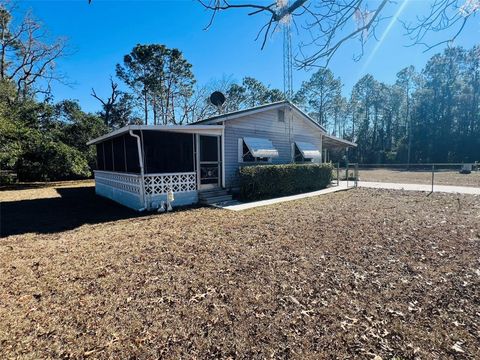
(138, 165)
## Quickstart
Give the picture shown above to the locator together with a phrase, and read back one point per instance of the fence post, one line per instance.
(346, 172)
(338, 173)
(433, 175)
(356, 174)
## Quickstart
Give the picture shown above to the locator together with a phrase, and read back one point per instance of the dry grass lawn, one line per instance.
(357, 274)
(34, 191)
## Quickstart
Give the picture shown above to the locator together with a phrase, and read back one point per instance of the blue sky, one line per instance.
(101, 33)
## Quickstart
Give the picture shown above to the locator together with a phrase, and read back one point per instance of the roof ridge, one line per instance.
(253, 108)
(259, 107)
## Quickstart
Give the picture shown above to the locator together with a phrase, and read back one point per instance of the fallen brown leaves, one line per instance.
(357, 274)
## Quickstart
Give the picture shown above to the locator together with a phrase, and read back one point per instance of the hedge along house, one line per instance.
(138, 164)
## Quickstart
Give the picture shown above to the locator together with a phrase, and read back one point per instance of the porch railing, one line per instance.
(156, 184)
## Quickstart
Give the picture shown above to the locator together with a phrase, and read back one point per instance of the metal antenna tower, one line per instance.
(287, 56)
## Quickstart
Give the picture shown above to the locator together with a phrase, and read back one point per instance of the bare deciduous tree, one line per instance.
(325, 22)
(108, 104)
(27, 53)
(329, 24)
(443, 15)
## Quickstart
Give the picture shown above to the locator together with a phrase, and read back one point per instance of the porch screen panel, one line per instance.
(107, 148)
(209, 148)
(168, 152)
(100, 162)
(131, 150)
(118, 154)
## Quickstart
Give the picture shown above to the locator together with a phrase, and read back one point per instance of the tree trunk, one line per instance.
(145, 105)
(154, 105)
(2, 60)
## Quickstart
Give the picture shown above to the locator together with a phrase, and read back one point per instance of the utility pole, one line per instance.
(409, 119)
(287, 55)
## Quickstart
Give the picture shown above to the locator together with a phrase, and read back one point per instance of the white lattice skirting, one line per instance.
(130, 183)
(127, 189)
(156, 184)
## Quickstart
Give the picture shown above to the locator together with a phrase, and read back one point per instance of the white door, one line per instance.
(209, 163)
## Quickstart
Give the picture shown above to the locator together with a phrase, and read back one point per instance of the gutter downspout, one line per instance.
(223, 155)
(142, 170)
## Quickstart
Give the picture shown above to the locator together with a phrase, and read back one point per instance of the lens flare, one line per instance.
(384, 35)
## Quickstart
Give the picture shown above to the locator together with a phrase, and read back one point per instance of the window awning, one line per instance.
(309, 151)
(262, 148)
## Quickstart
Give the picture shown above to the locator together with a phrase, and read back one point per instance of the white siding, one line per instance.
(266, 125)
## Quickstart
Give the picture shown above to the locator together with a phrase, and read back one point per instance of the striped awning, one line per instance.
(261, 148)
(308, 150)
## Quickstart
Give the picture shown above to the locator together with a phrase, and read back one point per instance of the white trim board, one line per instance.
(191, 129)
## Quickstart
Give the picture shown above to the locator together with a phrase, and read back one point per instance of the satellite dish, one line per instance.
(217, 98)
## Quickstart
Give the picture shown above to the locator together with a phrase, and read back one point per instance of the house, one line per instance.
(138, 164)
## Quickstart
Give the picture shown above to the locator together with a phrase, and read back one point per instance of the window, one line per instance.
(255, 150)
(281, 115)
(306, 152)
(299, 156)
(248, 157)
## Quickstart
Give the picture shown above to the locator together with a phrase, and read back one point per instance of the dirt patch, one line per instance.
(356, 274)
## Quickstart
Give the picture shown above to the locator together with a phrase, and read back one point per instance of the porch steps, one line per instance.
(214, 196)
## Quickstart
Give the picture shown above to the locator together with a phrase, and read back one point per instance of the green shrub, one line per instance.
(49, 160)
(7, 177)
(268, 181)
(10, 143)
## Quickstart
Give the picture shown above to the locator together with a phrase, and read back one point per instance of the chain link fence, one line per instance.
(449, 174)
(347, 174)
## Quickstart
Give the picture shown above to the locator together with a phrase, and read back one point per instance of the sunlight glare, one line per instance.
(384, 35)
